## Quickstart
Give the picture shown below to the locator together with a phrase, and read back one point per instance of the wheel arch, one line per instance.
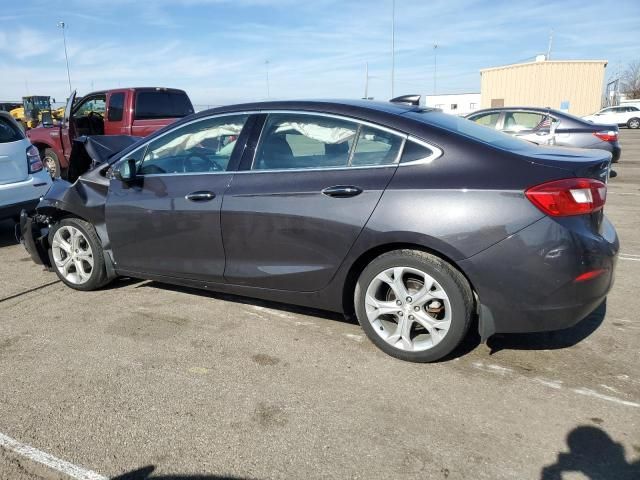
(368, 256)
(55, 214)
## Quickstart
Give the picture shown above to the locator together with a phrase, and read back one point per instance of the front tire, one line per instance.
(76, 254)
(413, 305)
(633, 123)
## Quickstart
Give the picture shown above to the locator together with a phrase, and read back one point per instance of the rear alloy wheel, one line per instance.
(51, 162)
(76, 254)
(633, 123)
(413, 305)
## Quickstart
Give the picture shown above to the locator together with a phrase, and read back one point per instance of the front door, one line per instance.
(167, 222)
(291, 216)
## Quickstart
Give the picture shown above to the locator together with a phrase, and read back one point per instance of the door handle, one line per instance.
(201, 196)
(342, 191)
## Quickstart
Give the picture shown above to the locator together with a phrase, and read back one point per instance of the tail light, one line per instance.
(607, 135)
(33, 159)
(571, 196)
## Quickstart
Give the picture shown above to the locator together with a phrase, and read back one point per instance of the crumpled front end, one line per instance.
(34, 235)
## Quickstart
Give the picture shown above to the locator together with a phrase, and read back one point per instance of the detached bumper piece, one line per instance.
(34, 233)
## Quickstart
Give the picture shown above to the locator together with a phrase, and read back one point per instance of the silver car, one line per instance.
(545, 126)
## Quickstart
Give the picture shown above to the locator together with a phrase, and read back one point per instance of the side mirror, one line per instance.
(126, 171)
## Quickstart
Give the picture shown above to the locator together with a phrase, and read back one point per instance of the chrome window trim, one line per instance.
(436, 152)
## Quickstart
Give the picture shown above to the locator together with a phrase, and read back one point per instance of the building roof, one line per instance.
(544, 62)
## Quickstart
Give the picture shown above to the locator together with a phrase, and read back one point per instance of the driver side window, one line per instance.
(204, 146)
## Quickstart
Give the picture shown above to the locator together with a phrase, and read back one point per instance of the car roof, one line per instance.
(327, 106)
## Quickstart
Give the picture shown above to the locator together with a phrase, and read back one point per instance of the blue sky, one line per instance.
(216, 49)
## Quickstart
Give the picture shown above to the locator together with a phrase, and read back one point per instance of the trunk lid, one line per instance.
(579, 162)
(13, 162)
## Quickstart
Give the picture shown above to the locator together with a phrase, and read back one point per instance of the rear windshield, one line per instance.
(471, 130)
(162, 104)
(9, 132)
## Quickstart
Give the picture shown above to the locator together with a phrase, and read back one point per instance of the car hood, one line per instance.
(89, 152)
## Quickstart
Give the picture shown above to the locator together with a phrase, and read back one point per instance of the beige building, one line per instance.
(570, 85)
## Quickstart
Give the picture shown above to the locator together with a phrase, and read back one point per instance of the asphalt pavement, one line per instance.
(143, 380)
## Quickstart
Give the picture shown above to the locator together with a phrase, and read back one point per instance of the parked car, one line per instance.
(410, 218)
(623, 116)
(544, 126)
(22, 178)
(123, 111)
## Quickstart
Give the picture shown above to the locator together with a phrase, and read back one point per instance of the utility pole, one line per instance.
(550, 45)
(62, 25)
(435, 67)
(366, 80)
(393, 46)
(266, 63)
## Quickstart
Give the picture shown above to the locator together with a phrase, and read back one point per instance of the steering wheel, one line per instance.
(200, 162)
(95, 114)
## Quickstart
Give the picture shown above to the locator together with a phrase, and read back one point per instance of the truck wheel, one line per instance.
(51, 162)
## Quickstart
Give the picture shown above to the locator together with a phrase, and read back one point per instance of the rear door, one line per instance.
(167, 222)
(13, 157)
(306, 191)
(156, 108)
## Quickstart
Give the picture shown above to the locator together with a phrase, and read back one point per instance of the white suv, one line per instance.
(624, 115)
(23, 180)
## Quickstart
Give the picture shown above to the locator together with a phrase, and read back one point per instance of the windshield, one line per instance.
(471, 130)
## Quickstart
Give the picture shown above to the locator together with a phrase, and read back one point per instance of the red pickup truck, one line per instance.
(124, 111)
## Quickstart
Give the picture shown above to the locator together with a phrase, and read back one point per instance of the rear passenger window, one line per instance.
(414, 152)
(294, 141)
(376, 147)
(9, 132)
(116, 107)
(301, 141)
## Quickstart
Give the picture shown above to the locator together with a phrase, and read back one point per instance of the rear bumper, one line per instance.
(528, 282)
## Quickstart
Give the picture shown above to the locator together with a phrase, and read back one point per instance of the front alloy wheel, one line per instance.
(76, 254)
(72, 254)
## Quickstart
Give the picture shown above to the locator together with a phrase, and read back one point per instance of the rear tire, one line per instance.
(76, 254)
(633, 123)
(51, 162)
(432, 319)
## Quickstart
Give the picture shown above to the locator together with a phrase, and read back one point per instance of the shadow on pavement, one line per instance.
(595, 455)
(252, 301)
(7, 233)
(550, 340)
(145, 472)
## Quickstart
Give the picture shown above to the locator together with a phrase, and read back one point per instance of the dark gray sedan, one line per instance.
(544, 126)
(412, 219)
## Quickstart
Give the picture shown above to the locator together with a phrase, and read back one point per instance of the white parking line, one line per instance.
(50, 461)
(628, 257)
